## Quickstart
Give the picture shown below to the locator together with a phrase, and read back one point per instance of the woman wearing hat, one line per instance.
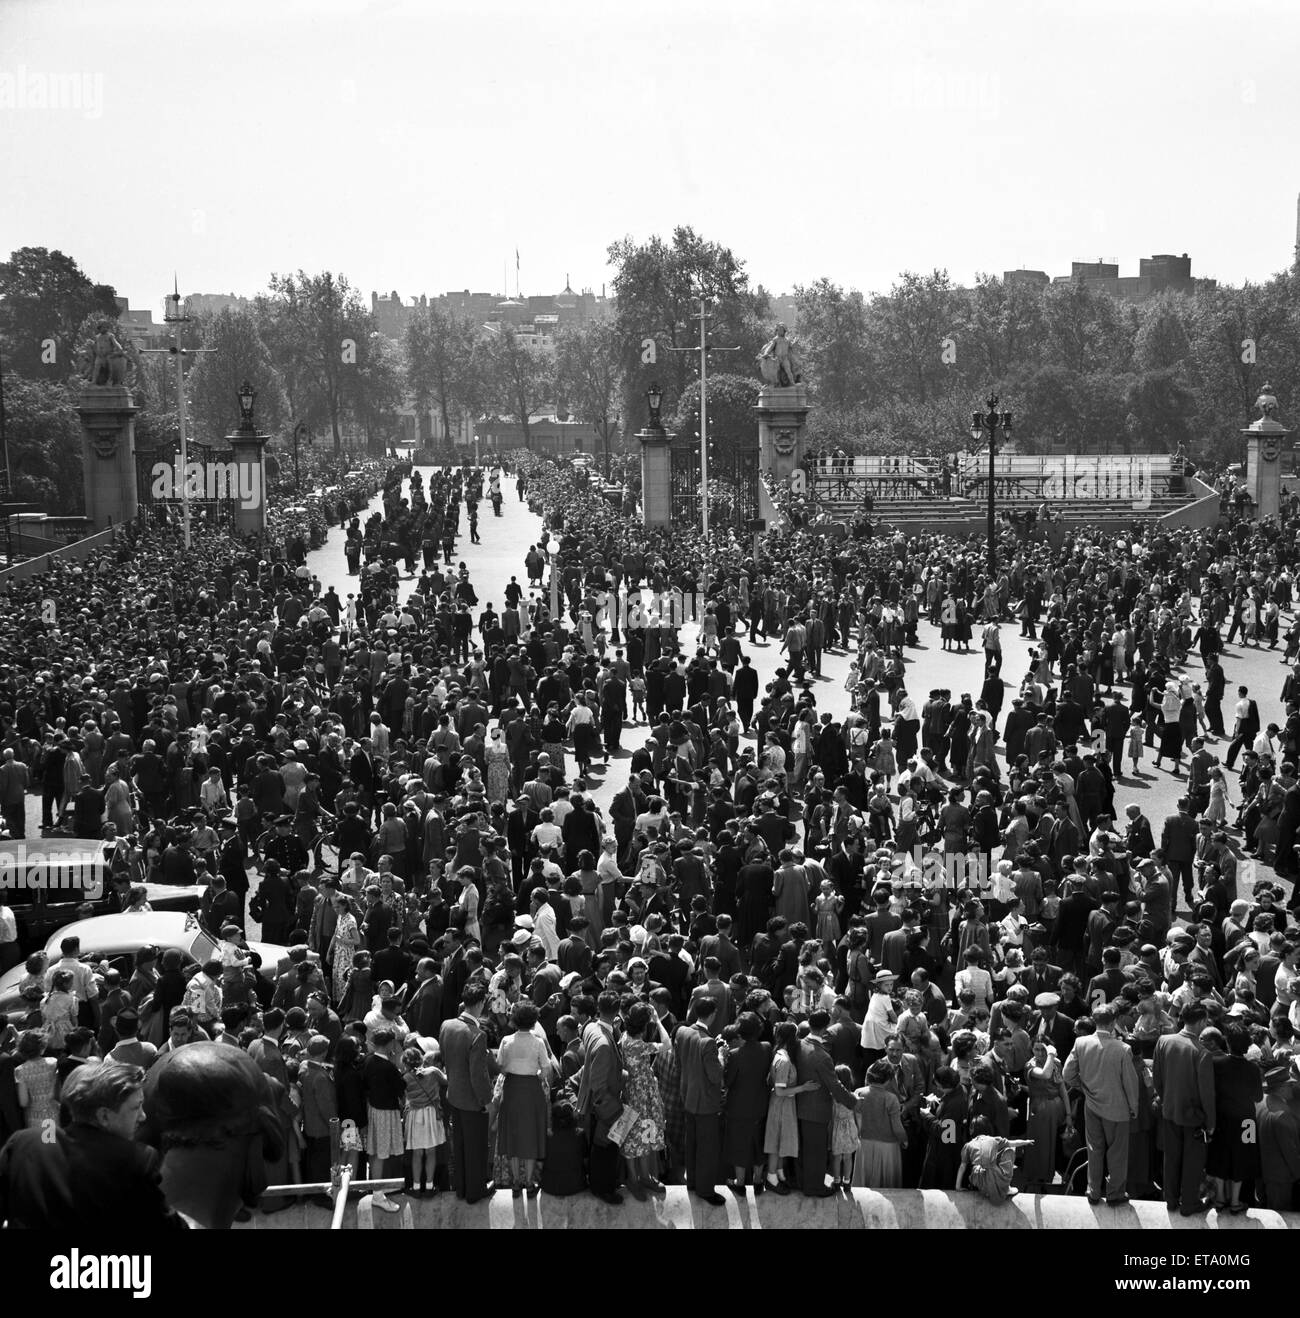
(880, 1019)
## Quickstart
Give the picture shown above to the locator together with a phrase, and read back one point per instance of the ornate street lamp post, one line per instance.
(991, 426)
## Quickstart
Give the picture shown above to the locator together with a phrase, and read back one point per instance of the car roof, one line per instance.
(109, 935)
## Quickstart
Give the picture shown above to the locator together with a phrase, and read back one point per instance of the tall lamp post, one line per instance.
(298, 432)
(991, 426)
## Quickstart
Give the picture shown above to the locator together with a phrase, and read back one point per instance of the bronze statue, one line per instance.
(777, 361)
(214, 1115)
(108, 359)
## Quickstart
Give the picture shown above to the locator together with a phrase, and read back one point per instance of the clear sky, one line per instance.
(414, 144)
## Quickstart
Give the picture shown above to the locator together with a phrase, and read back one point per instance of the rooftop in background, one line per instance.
(1162, 273)
(391, 312)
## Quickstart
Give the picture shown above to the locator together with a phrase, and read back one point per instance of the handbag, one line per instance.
(622, 1127)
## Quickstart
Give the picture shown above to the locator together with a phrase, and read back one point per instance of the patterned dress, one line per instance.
(347, 938)
(642, 1093)
(498, 771)
(38, 1079)
(781, 1136)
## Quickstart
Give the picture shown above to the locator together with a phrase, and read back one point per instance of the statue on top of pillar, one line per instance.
(105, 363)
(777, 362)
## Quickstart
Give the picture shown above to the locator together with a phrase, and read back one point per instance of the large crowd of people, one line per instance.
(922, 942)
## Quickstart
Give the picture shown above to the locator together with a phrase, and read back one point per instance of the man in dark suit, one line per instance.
(814, 1066)
(77, 1177)
(424, 1011)
(232, 863)
(1184, 1081)
(392, 962)
(909, 1084)
(623, 810)
(1178, 843)
(574, 952)
(745, 691)
(362, 769)
(720, 945)
(701, 1073)
(219, 907)
(843, 1039)
(455, 971)
(1278, 1124)
(1050, 1023)
(600, 1097)
(469, 1089)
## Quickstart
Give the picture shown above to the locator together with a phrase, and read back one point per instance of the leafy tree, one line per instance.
(910, 326)
(1162, 343)
(45, 295)
(518, 380)
(314, 326)
(214, 380)
(374, 388)
(732, 423)
(588, 376)
(1158, 410)
(442, 363)
(834, 343)
(1087, 330)
(43, 435)
(658, 286)
(1000, 332)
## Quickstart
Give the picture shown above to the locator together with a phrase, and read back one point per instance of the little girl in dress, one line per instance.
(829, 904)
(424, 1128)
(844, 1135)
(1136, 732)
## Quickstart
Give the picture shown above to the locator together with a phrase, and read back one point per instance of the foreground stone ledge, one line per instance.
(677, 1209)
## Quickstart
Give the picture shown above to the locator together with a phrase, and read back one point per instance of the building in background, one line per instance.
(1035, 279)
(1162, 273)
(140, 326)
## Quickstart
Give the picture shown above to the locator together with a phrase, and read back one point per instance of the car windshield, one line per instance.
(203, 946)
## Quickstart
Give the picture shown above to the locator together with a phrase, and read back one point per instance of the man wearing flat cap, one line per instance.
(1277, 1124)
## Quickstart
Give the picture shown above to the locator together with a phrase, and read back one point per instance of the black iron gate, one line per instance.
(684, 484)
(733, 494)
(733, 486)
(158, 495)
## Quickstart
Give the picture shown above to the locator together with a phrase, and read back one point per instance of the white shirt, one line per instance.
(544, 928)
(83, 978)
(877, 1025)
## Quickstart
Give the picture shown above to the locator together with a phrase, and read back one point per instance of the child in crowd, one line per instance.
(844, 1135)
(1136, 733)
(829, 904)
(424, 1129)
(989, 1161)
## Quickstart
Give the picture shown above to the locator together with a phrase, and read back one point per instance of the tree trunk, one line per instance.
(447, 437)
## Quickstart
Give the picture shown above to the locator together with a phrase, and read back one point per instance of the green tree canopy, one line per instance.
(44, 298)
